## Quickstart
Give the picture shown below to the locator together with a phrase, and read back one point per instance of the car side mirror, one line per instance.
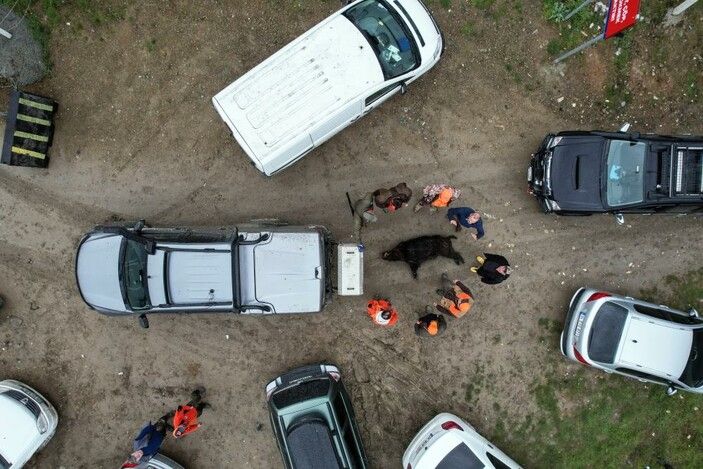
(403, 88)
(625, 127)
(671, 390)
(693, 313)
(619, 218)
(143, 321)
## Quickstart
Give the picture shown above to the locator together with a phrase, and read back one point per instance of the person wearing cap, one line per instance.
(185, 419)
(394, 198)
(457, 299)
(430, 325)
(382, 312)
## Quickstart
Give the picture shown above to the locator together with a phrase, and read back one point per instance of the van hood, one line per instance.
(97, 273)
(289, 275)
(296, 88)
(576, 173)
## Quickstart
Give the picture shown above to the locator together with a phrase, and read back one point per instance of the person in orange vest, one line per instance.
(437, 196)
(457, 299)
(430, 324)
(382, 312)
(185, 419)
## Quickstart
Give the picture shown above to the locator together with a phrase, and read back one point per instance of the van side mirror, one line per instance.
(143, 321)
(625, 127)
(693, 313)
(671, 390)
(403, 88)
(619, 218)
(139, 226)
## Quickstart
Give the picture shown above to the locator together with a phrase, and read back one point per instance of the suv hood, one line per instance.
(97, 271)
(288, 273)
(576, 173)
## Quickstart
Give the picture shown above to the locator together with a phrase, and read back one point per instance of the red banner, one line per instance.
(622, 14)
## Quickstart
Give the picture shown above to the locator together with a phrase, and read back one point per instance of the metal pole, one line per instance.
(673, 16)
(578, 49)
(579, 8)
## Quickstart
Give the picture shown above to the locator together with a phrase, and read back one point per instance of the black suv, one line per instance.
(580, 173)
(313, 420)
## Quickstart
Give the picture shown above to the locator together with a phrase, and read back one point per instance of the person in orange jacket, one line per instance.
(382, 312)
(431, 324)
(185, 419)
(437, 196)
(457, 299)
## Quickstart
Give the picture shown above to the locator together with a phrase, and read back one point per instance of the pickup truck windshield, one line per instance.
(625, 173)
(388, 35)
(134, 275)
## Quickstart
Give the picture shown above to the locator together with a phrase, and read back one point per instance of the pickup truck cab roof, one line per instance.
(246, 269)
(327, 78)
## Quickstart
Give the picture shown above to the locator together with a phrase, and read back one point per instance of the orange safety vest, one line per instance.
(461, 305)
(375, 309)
(432, 328)
(186, 416)
(444, 198)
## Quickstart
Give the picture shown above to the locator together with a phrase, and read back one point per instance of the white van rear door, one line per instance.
(336, 122)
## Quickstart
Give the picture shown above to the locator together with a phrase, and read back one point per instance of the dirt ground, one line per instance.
(138, 138)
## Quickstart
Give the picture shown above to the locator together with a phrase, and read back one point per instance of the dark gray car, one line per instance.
(313, 420)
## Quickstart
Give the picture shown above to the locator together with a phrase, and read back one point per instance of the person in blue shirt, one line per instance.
(468, 218)
(147, 443)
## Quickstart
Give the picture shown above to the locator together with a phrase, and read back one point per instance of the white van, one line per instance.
(327, 78)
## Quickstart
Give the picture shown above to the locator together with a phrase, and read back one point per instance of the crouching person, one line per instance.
(457, 299)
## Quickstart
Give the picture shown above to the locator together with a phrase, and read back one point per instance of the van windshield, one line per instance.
(384, 29)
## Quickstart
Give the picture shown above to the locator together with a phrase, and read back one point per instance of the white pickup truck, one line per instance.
(259, 268)
(327, 78)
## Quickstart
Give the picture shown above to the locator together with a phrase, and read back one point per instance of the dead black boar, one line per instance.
(417, 250)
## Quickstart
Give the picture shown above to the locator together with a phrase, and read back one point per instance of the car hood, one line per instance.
(97, 273)
(289, 272)
(576, 173)
(18, 432)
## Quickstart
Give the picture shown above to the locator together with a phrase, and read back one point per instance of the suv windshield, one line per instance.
(625, 172)
(693, 373)
(387, 34)
(134, 275)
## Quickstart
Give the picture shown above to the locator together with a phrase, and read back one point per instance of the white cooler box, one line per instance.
(350, 269)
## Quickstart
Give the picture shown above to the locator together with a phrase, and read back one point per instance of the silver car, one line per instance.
(641, 340)
(159, 461)
(27, 423)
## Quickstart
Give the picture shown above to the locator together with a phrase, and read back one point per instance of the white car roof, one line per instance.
(19, 436)
(302, 84)
(654, 346)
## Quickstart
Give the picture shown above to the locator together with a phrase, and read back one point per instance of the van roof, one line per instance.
(300, 85)
(655, 347)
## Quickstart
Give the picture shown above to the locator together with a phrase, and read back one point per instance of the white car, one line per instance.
(448, 442)
(27, 423)
(327, 78)
(649, 342)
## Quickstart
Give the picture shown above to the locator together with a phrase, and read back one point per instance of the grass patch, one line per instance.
(151, 45)
(475, 385)
(591, 419)
(617, 91)
(572, 32)
(446, 3)
(482, 4)
(550, 325)
(467, 30)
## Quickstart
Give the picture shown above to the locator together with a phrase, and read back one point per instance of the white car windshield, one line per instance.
(625, 173)
(392, 42)
(693, 373)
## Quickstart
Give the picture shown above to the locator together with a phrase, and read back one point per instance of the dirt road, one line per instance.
(138, 138)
